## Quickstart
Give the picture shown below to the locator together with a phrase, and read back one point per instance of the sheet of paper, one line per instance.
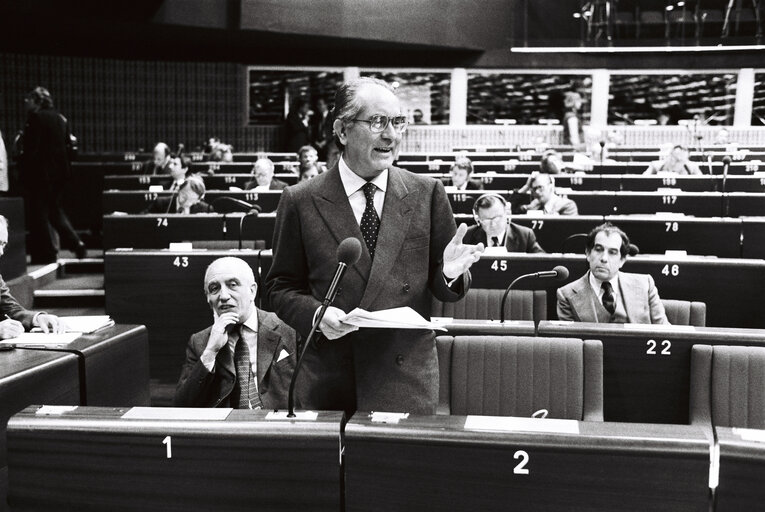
(396, 318)
(87, 324)
(388, 417)
(750, 434)
(299, 415)
(30, 339)
(176, 413)
(514, 424)
(55, 410)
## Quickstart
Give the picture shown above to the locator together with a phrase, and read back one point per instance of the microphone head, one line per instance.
(726, 160)
(349, 251)
(562, 272)
(634, 250)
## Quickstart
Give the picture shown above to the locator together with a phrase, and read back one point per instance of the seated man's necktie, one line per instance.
(609, 300)
(248, 389)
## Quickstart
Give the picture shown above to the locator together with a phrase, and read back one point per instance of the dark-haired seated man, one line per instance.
(461, 176)
(495, 229)
(605, 294)
(188, 199)
(246, 358)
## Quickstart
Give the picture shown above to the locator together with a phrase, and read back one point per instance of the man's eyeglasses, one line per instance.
(379, 123)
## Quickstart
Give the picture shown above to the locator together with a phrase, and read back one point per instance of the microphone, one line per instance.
(254, 212)
(348, 253)
(244, 206)
(634, 250)
(726, 166)
(575, 236)
(559, 273)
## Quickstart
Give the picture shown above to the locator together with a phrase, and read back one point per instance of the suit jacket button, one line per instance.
(406, 287)
(339, 291)
(399, 359)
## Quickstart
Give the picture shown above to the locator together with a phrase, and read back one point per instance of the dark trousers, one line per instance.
(46, 218)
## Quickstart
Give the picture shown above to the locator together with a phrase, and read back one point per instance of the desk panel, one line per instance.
(753, 237)
(139, 201)
(742, 471)
(92, 459)
(212, 182)
(746, 204)
(552, 230)
(435, 463)
(640, 183)
(164, 291)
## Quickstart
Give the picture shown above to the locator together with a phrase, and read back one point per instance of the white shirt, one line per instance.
(249, 336)
(352, 183)
(597, 287)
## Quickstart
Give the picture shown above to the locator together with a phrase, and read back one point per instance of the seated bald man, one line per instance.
(246, 358)
(605, 294)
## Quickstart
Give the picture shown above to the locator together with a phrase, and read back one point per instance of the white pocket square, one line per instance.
(282, 355)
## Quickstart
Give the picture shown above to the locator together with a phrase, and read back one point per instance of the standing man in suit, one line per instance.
(263, 171)
(495, 229)
(45, 174)
(246, 358)
(605, 294)
(297, 128)
(16, 318)
(412, 252)
(322, 129)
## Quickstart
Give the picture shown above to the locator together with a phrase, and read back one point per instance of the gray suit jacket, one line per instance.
(198, 387)
(641, 300)
(370, 369)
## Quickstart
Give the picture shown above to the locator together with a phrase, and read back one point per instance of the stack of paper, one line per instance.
(396, 318)
(87, 324)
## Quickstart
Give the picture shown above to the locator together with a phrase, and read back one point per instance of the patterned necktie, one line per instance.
(495, 241)
(370, 222)
(248, 390)
(609, 301)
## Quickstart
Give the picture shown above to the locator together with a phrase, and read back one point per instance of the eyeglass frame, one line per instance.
(388, 121)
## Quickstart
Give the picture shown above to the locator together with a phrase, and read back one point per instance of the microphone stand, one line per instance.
(507, 292)
(254, 212)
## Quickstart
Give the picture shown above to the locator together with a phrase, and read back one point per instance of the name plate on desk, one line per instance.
(176, 413)
(299, 415)
(514, 424)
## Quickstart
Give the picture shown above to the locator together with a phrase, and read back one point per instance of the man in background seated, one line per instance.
(160, 160)
(461, 172)
(17, 319)
(263, 170)
(606, 295)
(246, 358)
(217, 151)
(309, 171)
(188, 199)
(494, 228)
(542, 189)
(178, 167)
(676, 162)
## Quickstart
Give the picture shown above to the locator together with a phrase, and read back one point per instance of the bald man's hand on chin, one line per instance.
(459, 257)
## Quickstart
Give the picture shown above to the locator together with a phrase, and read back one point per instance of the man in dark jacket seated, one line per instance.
(494, 228)
(187, 200)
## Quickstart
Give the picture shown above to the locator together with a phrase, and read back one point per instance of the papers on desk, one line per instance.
(176, 413)
(87, 324)
(750, 434)
(513, 424)
(55, 410)
(42, 340)
(396, 318)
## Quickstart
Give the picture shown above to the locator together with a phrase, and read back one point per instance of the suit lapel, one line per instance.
(583, 297)
(334, 208)
(225, 361)
(268, 341)
(629, 295)
(394, 226)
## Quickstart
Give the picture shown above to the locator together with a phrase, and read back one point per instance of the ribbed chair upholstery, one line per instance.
(728, 386)
(519, 375)
(484, 304)
(683, 312)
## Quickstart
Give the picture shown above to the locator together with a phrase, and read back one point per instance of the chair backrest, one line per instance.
(728, 386)
(484, 304)
(519, 375)
(684, 312)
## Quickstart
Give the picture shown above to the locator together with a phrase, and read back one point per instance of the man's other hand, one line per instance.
(10, 329)
(458, 257)
(332, 327)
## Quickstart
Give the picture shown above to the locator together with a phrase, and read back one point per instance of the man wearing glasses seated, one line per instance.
(494, 228)
(544, 198)
(412, 251)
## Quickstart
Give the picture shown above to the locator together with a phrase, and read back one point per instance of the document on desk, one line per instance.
(87, 324)
(395, 318)
(43, 340)
(516, 424)
(177, 413)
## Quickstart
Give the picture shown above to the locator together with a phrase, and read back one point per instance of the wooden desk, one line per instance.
(752, 237)
(212, 182)
(93, 459)
(157, 231)
(436, 463)
(164, 291)
(647, 369)
(138, 201)
(113, 365)
(742, 471)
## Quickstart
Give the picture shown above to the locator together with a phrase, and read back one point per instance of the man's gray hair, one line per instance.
(346, 99)
(3, 221)
(241, 266)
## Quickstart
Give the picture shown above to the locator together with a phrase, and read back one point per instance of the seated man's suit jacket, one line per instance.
(578, 302)
(370, 369)
(11, 307)
(517, 238)
(276, 184)
(198, 387)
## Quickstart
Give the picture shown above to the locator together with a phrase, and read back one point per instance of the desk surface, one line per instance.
(435, 463)
(742, 470)
(93, 459)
